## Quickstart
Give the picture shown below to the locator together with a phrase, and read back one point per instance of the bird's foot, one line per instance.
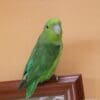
(55, 77)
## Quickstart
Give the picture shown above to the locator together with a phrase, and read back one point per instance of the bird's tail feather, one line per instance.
(31, 89)
(22, 84)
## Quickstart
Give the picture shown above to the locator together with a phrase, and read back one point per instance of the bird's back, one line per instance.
(41, 61)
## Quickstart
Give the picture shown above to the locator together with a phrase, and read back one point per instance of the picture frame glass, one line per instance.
(60, 97)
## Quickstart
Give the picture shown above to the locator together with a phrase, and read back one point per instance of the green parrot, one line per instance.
(44, 57)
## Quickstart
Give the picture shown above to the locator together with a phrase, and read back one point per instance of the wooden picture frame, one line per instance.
(71, 86)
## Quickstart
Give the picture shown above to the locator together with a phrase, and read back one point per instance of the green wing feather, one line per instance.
(41, 62)
(40, 66)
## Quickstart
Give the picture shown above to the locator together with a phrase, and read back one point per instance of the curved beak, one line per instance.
(57, 28)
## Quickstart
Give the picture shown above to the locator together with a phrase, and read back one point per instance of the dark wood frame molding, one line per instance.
(70, 86)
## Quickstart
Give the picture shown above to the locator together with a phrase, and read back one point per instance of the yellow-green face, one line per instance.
(53, 29)
(53, 25)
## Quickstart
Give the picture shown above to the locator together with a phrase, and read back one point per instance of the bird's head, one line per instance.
(53, 30)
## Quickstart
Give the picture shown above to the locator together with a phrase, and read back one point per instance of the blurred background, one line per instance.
(22, 21)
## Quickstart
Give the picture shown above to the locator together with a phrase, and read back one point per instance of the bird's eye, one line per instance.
(47, 27)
